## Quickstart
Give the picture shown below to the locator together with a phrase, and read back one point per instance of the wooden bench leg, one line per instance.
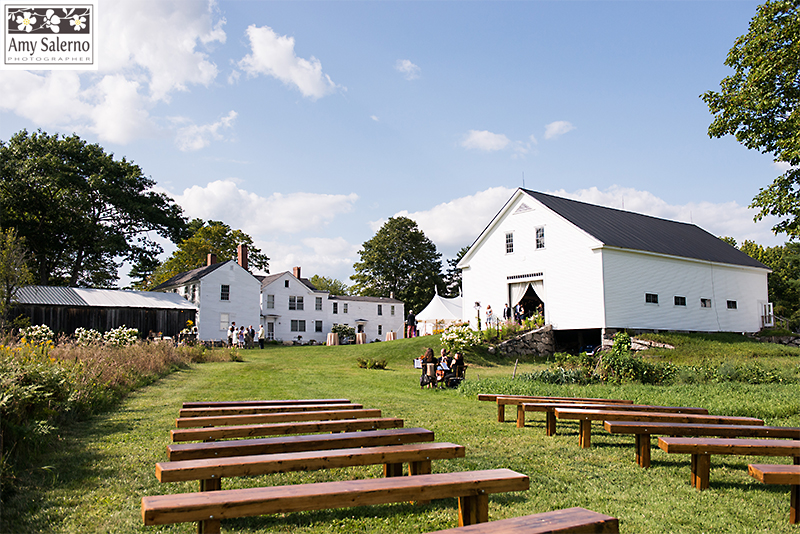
(550, 423)
(419, 468)
(392, 470)
(794, 507)
(501, 413)
(209, 526)
(585, 434)
(473, 509)
(643, 450)
(520, 416)
(211, 484)
(701, 471)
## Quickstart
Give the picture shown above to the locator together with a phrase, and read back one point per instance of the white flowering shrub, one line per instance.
(458, 338)
(88, 336)
(121, 336)
(36, 334)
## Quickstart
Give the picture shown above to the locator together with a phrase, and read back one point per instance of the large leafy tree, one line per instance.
(452, 278)
(332, 285)
(213, 237)
(14, 271)
(399, 260)
(80, 210)
(759, 104)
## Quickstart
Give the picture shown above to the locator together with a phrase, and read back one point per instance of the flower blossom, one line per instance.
(26, 22)
(78, 22)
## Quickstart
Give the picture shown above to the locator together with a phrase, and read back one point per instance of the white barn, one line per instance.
(293, 309)
(596, 270)
(223, 293)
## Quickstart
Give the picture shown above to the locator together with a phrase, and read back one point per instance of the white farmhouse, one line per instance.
(223, 293)
(594, 270)
(293, 309)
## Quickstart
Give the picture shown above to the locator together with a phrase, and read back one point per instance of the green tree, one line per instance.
(213, 237)
(14, 271)
(80, 210)
(759, 104)
(452, 277)
(399, 260)
(331, 285)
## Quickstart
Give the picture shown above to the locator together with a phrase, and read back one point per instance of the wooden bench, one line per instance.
(550, 407)
(211, 471)
(276, 402)
(242, 410)
(643, 431)
(279, 429)
(781, 474)
(701, 450)
(519, 399)
(282, 444)
(264, 418)
(587, 416)
(472, 489)
(567, 521)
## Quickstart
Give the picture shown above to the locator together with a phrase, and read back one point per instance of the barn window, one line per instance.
(224, 292)
(540, 237)
(509, 242)
(651, 298)
(732, 305)
(705, 303)
(680, 301)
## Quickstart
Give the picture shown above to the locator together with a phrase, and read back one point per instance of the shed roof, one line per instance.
(629, 230)
(102, 298)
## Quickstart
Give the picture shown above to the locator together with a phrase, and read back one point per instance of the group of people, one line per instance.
(443, 370)
(244, 338)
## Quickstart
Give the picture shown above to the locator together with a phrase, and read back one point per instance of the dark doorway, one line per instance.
(531, 303)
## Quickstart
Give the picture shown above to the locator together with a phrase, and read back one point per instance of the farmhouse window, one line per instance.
(335, 307)
(732, 305)
(680, 301)
(509, 242)
(285, 283)
(651, 298)
(298, 325)
(224, 292)
(318, 304)
(295, 303)
(344, 307)
(540, 237)
(392, 311)
(224, 318)
(270, 302)
(317, 326)
(380, 309)
(380, 329)
(705, 303)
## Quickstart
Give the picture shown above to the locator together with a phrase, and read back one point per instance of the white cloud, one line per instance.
(407, 69)
(261, 216)
(147, 62)
(557, 129)
(485, 141)
(332, 257)
(273, 55)
(194, 137)
(375, 118)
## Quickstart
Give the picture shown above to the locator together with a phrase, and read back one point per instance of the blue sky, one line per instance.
(309, 124)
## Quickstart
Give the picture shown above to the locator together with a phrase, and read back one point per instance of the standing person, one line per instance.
(506, 313)
(241, 337)
(231, 333)
(489, 316)
(411, 324)
(262, 336)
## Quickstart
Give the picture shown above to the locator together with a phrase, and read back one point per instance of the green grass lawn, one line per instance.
(94, 479)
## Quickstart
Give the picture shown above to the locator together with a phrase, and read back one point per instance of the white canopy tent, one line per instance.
(439, 314)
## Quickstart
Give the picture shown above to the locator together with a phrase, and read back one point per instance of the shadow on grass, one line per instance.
(66, 464)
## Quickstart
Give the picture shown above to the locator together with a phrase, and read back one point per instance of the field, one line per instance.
(93, 481)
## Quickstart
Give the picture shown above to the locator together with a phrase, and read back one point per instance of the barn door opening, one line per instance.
(527, 296)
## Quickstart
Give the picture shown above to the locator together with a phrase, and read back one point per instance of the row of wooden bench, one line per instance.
(358, 437)
(711, 434)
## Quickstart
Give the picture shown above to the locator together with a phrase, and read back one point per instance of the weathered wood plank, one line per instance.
(278, 429)
(218, 404)
(568, 521)
(781, 474)
(242, 410)
(254, 419)
(283, 444)
(550, 407)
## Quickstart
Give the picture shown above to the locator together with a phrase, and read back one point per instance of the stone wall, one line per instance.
(539, 342)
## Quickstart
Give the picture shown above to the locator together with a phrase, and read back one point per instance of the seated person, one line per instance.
(429, 366)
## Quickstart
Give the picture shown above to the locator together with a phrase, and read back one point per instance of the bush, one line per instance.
(369, 363)
(347, 334)
(459, 338)
(37, 334)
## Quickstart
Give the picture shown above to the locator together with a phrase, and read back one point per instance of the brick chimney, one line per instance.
(241, 252)
(296, 272)
(212, 259)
